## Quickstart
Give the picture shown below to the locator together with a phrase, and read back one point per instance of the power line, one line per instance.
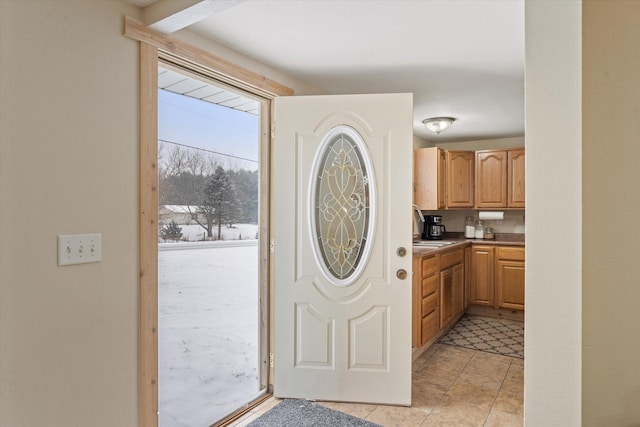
(208, 151)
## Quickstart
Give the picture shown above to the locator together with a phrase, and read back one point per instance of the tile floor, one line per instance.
(452, 386)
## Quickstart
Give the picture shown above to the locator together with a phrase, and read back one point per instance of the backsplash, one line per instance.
(454, 220)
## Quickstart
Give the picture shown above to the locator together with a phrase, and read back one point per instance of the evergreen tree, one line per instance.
(171, 231)
(220, 199)
(246, 183)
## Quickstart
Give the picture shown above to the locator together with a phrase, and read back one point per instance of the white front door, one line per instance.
(342, 185)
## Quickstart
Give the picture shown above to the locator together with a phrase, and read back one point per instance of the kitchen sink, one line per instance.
(432, 243)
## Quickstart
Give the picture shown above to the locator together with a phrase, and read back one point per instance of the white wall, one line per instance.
(554, 228)
(611, 178)
(69, 164)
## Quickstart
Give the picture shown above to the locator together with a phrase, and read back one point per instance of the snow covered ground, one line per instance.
(208, 330)
(194, 232)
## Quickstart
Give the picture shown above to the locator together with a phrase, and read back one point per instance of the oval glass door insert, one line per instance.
(342, 208)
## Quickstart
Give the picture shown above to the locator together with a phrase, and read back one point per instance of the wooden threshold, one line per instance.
(233, 417)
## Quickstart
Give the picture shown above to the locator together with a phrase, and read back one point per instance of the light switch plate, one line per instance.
(79, 248)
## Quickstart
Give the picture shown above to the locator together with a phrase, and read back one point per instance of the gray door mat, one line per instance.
(304, 413)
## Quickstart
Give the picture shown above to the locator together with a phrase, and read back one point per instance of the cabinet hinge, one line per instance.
(272, 246)
(271, 360)
(273, 130)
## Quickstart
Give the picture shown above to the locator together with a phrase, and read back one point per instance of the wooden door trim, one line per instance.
(204, 61)
(148, 234)
(153, 47)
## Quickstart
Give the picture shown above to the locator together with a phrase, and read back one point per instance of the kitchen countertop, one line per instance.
(505, 239)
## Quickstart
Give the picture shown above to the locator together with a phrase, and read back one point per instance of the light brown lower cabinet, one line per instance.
(444, 284)
(510, 277)
(451, 286)
(482, 288)
(497, 276)
(451, 294)
(426, 299)
(438, 293)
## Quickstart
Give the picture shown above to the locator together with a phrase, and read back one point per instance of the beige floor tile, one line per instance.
(514, 381)
(502, 419)
(492, 357)
(480, 379)
(517, 361)
(360, 410)
(397, 416)
(418, 364)
(488, 370)
(459, 415)
(442, 376)
(425, 395)
(461, 394)
(509, 403)
(516, 371)
(452, 352)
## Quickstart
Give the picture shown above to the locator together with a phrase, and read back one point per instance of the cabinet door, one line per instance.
(416, 302)
(482, 265)
(491, 179)
(446, 283)
(510, 284)
(467, 276)
(442, 179)
(457, 290)
(516, 179)
(460, 178)
(428, 185)
(430, 322)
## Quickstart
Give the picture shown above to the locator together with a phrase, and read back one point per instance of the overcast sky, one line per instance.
(205, 125)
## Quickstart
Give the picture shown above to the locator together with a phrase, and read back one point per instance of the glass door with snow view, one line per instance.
(210, 342)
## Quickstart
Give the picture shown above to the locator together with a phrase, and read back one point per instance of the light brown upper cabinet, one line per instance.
(491, 179)
(429, 178)
(500, 179)
(460, 179)
(515, 172)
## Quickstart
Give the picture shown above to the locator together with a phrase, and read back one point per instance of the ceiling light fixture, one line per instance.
(438, 124)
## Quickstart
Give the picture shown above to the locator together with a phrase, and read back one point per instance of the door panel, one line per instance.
(342, 316)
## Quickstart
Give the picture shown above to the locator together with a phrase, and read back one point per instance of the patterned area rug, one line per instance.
(303, 413)
(500, 336)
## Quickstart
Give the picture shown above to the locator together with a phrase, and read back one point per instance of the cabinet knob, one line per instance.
(401, 274)
(402, 251)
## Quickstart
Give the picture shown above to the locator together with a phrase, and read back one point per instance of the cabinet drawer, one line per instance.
(429, 285)
(451, 258)
(430, 327)
(430, 266)
(429, 304)
(514, 253)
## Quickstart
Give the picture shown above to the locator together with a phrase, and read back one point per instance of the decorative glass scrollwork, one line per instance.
(342, 205)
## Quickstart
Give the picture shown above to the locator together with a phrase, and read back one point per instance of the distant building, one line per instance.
(182, 214)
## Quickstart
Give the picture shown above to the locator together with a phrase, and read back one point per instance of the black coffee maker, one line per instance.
(433, 227)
